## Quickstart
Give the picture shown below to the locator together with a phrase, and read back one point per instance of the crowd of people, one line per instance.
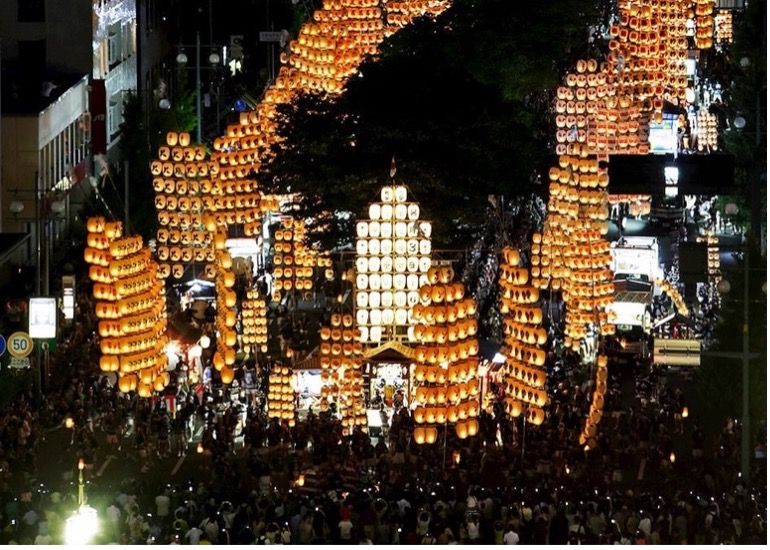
(654, 477)
(513, 483)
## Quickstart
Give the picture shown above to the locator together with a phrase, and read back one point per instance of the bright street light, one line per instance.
(81, 527)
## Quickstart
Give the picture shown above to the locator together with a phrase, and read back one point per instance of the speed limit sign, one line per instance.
(19, 344)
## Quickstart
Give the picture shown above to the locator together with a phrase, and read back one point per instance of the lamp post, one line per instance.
(214, 59)
(82, 525)
(44, 209)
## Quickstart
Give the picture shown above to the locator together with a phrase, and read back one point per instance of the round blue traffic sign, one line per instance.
(2, 345)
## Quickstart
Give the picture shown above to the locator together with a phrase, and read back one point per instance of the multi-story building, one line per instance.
(67, 70)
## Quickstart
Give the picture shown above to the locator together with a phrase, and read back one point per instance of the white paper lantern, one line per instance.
(386, 212)
(412, 281)
(399, 264)
(425, 229)
(386, 246)
(362, 247)
(412, 264)
(364, 330)
(374, 264)
(375, 211)
(400, 211)
(374, 229)
(374, 281)
(412, 298)
(399, 281)
(362, 281)
(375, 316)
(400, 193)
(400, 299)
(400, 229)
(412, 247)
(362, 299)
(362, 264)
(410, 333)
(386, 281)
(387, 194)
(386, 263)
(386, 229)
(425, 247)
(362, 229)
(374, 299)
(386, 299)
(375, 334)
(374, 246)
(413, 211)
(400, 247)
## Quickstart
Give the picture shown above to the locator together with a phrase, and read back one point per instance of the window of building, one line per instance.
(115, 44)
(115, 114)
(31, 11)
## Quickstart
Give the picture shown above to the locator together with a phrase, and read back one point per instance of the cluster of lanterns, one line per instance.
(524, 374)
(704, 129)
(446, 388)
(294, 263)
(704, 23)
(571, 254)
(638, 205)
(393, 256)
(723, 21)
(589, 111)
(341, 354)
(647, 52)
(325, 54)
(226, 317)
(712, 251)
(400, 13)
(603, 108)
(130, 305)
(187, 188)
(672, 292)
(280, 395)
(588, 436)
(254, 320)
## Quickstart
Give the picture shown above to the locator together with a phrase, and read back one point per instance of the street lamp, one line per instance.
(42, 219)
(214, 59)
(82, 525)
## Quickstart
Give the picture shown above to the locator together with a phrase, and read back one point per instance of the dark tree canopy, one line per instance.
(462, 103)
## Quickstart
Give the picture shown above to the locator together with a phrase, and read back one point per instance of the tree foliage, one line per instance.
(462, 103)
(720, 382)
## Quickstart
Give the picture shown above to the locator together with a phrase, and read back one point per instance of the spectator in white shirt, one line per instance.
(510, 536)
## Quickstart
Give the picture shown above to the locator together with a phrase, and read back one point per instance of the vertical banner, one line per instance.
(97, 104)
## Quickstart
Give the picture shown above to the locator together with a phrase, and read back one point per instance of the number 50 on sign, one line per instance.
(19, 344)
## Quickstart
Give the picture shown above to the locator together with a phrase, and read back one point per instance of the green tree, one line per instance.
(462, 103)
(746, 76)
(720, 380)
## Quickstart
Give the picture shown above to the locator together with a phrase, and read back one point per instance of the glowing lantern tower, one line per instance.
(131, 308)
(341, 354)
(393, 250)
(603, 108)
(447, 389)
(524, 372)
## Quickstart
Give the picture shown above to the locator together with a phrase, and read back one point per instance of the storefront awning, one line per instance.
(390, 351)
